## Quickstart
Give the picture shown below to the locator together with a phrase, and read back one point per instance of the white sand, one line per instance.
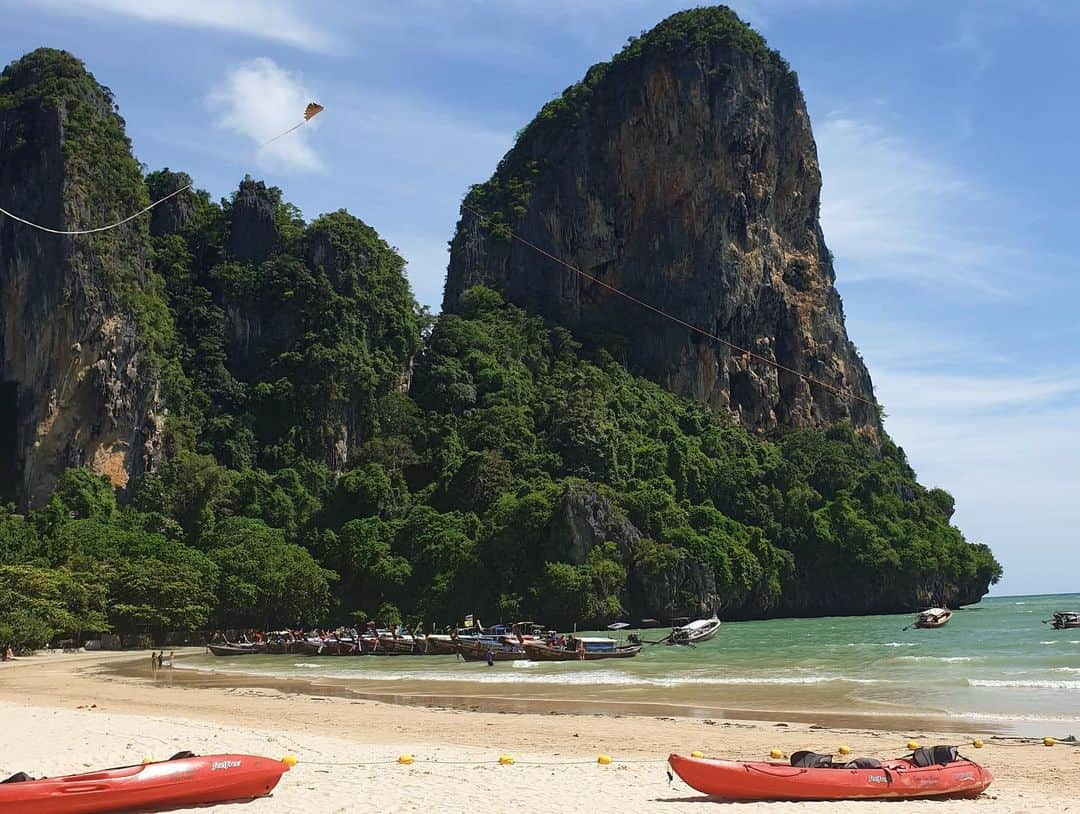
(456, 769)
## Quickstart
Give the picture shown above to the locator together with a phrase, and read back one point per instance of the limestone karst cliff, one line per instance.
(79, 387)
(295, 439)
(685, 173)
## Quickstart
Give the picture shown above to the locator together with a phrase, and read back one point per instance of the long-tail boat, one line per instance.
(696, 632)
(1065, 620)
(933, 618)
(580, 648)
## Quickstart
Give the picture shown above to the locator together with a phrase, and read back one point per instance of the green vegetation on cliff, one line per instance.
(336, 454)
(502, 198)
(453, 499)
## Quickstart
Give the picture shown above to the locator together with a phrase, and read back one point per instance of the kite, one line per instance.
(310, 112)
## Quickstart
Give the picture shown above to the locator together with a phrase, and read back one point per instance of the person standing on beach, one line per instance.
(161, 659)
(490, 657)
(153, 663)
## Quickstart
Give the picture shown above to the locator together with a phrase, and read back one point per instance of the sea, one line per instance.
(995, 667)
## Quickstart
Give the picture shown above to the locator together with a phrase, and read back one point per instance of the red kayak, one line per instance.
(178, 783)
(895, 779)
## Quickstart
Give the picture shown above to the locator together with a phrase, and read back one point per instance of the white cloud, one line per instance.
(427, 261)
(1006, 447)
(891, 213)
(278, 20)
(259, 100)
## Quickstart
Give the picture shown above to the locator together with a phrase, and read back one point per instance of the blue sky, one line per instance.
(946, 133)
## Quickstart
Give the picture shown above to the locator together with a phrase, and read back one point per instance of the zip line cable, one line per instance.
(689, 326)
(310, 112)
(129, 218)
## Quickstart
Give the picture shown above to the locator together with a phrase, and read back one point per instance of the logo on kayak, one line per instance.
(877, 779)
(224, 764)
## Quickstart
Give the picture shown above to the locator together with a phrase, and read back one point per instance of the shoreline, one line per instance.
(72, 712)
(516, 699)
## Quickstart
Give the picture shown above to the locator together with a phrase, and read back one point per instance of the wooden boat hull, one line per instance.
(898, 779)
(473, 651)
(232, 649)
(541, 652)
(440, 645)
(195, 781)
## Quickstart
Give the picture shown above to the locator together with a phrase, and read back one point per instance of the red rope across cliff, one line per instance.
(837, 391)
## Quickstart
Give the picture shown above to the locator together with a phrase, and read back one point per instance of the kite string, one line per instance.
(283, 133)
(129, 218)
(689, 326)
(143, 211)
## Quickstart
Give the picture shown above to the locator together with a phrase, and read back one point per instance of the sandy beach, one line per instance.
(63, 714)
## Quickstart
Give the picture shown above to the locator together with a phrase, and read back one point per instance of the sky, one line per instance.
(946, 134)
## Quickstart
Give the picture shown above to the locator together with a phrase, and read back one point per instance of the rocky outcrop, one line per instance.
(584, 519)
(685, 174)
(253, 236)
(174, 214)
(79, 386)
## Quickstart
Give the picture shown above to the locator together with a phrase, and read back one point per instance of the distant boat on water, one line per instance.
(933, 617)
(1065, 620)
(696, 632)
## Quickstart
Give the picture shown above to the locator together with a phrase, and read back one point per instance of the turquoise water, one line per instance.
(995, 663)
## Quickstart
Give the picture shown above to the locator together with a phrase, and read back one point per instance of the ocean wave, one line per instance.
(945, 659)
(1004, 716)
(882, 644)
(600, 677)
(1031, 684)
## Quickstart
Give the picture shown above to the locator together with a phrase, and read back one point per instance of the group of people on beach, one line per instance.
(9, 653)
(157, 660)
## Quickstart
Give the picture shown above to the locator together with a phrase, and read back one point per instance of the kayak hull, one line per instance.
(171, 784)
(897, 779)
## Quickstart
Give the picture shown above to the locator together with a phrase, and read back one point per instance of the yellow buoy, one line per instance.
(604, 760)
(405, 759)
(506, 760)
(1049, 741)
(776, 754)
(977, 743)
(844, 749)
(697, 754)
(289, 760)
(913, 745)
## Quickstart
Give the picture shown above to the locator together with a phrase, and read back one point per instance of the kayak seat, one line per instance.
(806, 759)
(863, 763)
(812, 760)
(18, 777)
(934, 756)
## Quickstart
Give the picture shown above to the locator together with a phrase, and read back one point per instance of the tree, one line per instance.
(39, 604)
(265, 581)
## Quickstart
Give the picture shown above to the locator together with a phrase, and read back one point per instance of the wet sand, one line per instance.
(545, 699)
(67, 713)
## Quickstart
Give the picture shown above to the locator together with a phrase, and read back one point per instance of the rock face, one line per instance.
(254, 233)
(584, 519)
(684, 173)
(78, 387)
(178, 211)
